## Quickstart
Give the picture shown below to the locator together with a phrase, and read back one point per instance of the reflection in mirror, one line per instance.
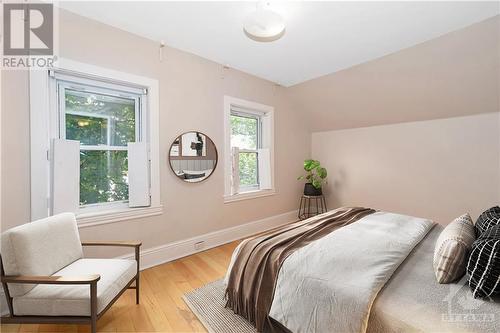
(193, 157)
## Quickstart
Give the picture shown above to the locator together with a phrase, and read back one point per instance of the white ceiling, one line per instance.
(320, 38)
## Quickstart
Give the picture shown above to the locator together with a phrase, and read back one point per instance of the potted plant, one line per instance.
(315, 178)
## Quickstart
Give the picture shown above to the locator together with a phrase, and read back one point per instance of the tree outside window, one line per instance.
(245, 136)
(104, 125)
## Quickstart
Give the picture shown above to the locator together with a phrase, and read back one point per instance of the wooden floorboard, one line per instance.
(162, 308)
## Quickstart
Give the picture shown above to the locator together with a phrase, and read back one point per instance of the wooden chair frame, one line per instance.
(90, 280)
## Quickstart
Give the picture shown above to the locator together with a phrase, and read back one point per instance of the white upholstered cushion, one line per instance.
(40, 248)
(70, 300)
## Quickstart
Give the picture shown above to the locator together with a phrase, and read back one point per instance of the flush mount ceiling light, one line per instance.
(264, 25)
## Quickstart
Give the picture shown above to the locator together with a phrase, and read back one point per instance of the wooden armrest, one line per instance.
(113, 243)
(23, 279)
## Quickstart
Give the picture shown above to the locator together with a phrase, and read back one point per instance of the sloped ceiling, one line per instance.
(454, 75)
(321, 37)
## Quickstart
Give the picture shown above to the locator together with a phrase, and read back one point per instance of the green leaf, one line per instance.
(322, 172)
(310, 165)
(316, 174)
(316, 183)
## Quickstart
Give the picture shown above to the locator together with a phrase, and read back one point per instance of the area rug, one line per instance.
(207, 303)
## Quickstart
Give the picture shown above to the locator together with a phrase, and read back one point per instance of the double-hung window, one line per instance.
(246, 140)
(249, 149)
(94, 143)
(104, 119)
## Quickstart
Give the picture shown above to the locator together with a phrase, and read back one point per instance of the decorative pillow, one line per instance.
(487, 219)
(491, 233)
(452, 249)
(484, 264)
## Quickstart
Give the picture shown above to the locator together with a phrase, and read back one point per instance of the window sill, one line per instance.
(115, 215)
(248, 195)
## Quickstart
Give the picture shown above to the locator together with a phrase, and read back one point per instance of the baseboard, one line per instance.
(164, 253)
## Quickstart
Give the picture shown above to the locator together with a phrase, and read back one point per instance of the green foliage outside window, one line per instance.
(248, 169)
(97, 120)
(244, 135)
(87, 130)
(244, 132)
(103, 176)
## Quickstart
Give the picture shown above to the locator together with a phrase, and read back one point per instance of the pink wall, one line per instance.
(434, 168)
(437, 169)
(192, 92)
(454, 75)
(417, 131)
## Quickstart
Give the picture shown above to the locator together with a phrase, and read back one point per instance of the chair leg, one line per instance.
(93, 307)
(137, 289)
(93, 326)
(138, 274)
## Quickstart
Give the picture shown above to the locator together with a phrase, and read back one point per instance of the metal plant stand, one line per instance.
(312, 206)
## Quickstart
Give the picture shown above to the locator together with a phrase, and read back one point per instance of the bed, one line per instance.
(400, 294)
(412, 300)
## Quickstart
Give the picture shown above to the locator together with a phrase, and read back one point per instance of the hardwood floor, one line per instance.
(162, 308)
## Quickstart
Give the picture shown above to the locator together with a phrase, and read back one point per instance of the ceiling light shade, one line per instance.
(264, 25)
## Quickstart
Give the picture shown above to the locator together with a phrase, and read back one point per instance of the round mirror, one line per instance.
(193, 157)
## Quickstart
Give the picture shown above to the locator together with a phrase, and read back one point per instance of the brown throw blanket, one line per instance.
(252, 280)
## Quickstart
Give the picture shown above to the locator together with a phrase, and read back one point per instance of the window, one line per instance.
(104, 121)
(246, 137)
(94, 144)
(249, 137)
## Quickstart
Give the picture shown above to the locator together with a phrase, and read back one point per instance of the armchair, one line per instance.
(47, 280)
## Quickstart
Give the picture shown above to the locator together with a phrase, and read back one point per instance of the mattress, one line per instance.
(413, 301)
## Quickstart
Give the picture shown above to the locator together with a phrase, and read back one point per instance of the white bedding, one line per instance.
(330, 285)
(413, 301)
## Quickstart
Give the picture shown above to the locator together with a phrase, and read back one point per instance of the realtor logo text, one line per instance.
(28, 35)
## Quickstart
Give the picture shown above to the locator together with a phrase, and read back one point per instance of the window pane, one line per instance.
(87, 130)
(99, 119)
(248, 169)
(244, 132)
(103, 176)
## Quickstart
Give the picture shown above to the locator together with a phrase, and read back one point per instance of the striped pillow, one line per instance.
(484, 264)
(487, 219)
(452, 249)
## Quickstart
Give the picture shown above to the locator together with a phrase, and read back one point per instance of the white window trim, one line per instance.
(43, 127)
(268, 142)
